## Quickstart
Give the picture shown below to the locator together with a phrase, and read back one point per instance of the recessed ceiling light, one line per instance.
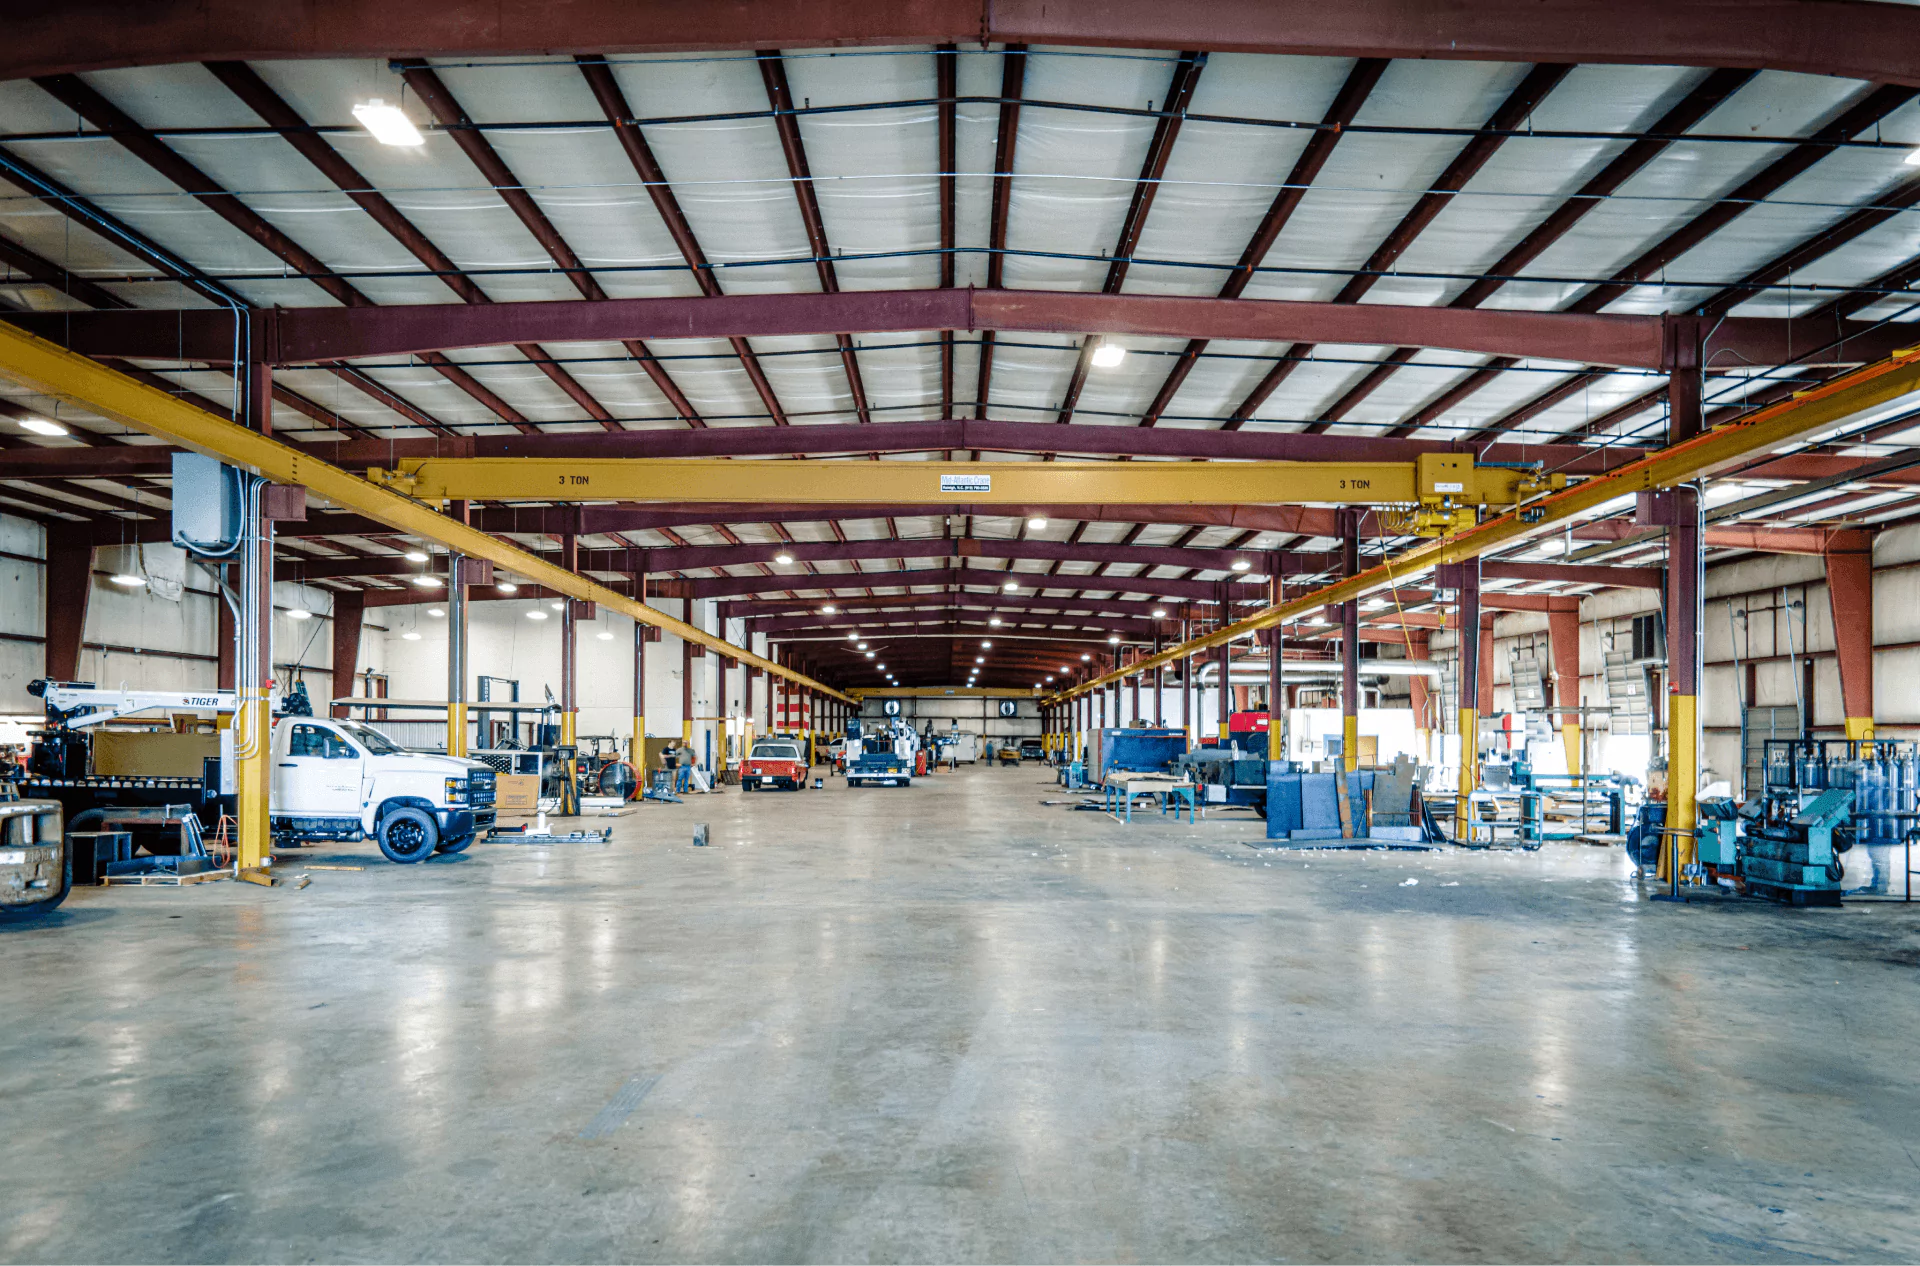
(536, 615)
(1036, 525)
(388, 123)
(128, 579)
(507, 586)
(409, 637)
(783, 559)
(299, 613)
(1241, 564)
(416, 556)
(40, 426)
(427, 582)
(1108, 355)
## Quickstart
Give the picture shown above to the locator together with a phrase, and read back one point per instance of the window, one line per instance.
(373, 740)
(775, 751)
(317, 740)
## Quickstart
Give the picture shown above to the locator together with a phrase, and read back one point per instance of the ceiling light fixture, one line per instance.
(40, 426)
(536, 615)
(1010, 586)
(507, 586)
(606, 635)
(784, 559)
(299, 613)
(1113, 639)
(1241, 564)
(1086, 657)
(436, 613)
(979, 659)
(416, 556)
(388, 124)
(826, 610)
(1159, 613)
(558, 606)
(1036, 525)
(862, 646)
(1108, 355)
(986, 646)
(409, 637)
(869, 654)
(427, 582)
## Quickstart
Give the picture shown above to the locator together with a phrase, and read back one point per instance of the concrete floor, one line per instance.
(948, 1023)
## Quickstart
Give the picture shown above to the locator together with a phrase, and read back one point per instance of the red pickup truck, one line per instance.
(774, 763)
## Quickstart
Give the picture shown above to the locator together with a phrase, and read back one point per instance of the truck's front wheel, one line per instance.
(408, 835)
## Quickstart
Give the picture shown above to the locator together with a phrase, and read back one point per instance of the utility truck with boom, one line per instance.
(332, 779)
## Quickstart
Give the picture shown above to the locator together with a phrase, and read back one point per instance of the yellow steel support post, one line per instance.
(1276, 669)
(637, 748)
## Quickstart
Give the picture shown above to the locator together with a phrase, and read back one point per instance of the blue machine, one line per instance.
(1796, 858)
(1139, 750)
(1303, 810)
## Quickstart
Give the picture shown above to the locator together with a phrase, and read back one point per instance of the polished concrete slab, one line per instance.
(952, 1022)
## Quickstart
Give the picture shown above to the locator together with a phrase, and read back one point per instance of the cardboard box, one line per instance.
(515, 793)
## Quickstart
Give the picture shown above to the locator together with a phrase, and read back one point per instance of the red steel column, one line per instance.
(69, 574)
(349, 618)
(1563, 645)
(1849, 559)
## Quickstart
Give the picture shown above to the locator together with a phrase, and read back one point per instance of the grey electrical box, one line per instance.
(206, 505)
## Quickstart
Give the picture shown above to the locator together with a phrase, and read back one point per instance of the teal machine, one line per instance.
(1783, 847)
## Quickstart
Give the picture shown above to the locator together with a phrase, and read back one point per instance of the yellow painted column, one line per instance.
(1350, 733)
(253, 775)
(1859, 729)
(637, 753)
(1570, 738)
(1683, 773)
(1469, 768)
(457, 728)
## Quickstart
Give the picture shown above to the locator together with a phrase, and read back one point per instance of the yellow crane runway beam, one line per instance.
(1433, 479)
(41, 366)
(1762, 431)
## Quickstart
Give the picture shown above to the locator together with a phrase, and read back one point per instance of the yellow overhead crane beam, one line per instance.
(1762, 431)
(41, 366)
(1443, 483)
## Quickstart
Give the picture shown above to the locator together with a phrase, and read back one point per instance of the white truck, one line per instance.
(332, 780)
(342, 780)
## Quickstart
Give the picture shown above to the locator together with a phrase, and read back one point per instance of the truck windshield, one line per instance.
(373, 740)
(775, 751)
